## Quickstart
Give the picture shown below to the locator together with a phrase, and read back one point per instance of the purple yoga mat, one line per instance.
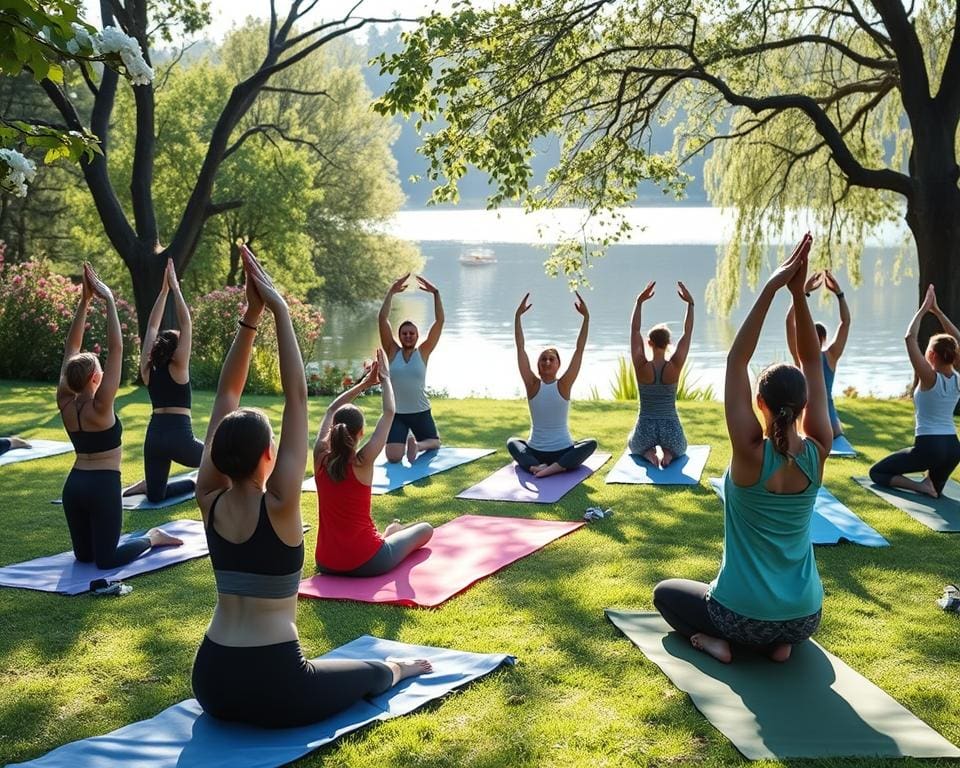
(62, 573)
(514, 484)
(461, 552)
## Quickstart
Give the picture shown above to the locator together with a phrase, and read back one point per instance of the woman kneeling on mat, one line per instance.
(165, 369)
(936, 449)
(347, 541)
(657, 422)
(768, 593)
(92, 498)
(550, 448)
(250, 667)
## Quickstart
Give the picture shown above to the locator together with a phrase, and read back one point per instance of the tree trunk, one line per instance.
(147, 274)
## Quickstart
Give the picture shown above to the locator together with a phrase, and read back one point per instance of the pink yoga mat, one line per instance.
(461, 552)
(510, 483)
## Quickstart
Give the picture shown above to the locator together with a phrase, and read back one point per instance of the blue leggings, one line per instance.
(169, 438)
(94, 509)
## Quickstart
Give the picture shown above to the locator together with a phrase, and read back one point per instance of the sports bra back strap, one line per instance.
(213, 507)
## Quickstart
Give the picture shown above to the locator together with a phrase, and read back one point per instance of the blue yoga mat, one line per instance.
(684, 470)
(182, 736)
(842, 447)
(832, 521)
(388, 477)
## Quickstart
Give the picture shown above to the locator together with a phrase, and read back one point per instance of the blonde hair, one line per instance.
(80, 369)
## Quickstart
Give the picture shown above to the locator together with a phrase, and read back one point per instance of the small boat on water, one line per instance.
(477, 257)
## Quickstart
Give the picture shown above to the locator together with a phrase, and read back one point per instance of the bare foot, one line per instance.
(404, 668)
(652, 457)
(160, 538)
(550, 469)
(412, 448)
(136, 489)
(780, 652)
(537, 468)
(714, 646)
(927, 487)
(18, 442)
(391, 529)
(667, 458)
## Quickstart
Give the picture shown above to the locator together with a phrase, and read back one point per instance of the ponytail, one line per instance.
(784, 390)
(342, 441)
(781, 424)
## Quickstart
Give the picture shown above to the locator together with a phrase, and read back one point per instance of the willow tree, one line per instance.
(847, 109)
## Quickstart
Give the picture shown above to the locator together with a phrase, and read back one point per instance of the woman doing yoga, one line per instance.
(768, 593)
(249, 667)
(92, 500)
(936, 449)
(165, 369)
(348, 543)
(829, 352)
(657, 422)
(550, 448)
(12, 444)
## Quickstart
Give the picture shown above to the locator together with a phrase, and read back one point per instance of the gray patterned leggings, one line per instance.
(687, 608)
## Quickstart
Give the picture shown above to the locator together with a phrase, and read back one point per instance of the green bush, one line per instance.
(623, 386)
(37, 306)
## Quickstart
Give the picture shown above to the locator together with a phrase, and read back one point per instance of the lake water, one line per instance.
(476, 354)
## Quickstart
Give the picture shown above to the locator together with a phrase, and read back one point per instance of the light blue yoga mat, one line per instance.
(683, 470)
(184, 737)
(140, 500)
(832, 521)
(39, 449)
(841, 447)
(388, 477)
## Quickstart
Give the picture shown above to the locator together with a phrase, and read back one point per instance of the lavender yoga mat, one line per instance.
(511, 483)
(62, 573)
(182, 736)
(460, 553)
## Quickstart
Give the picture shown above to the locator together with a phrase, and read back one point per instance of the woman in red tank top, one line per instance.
(348, 543)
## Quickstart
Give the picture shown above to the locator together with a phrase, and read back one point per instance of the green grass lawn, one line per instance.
(581, 694)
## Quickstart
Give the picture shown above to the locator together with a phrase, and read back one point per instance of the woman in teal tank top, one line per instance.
(767, 594)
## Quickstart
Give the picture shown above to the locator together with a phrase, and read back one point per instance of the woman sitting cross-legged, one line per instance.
(250, 667)
(768, 593)
(550, 448)
(348, 543)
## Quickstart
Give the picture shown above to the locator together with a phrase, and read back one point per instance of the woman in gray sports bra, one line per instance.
(658, 424)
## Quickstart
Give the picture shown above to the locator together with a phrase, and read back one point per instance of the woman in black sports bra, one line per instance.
(91, 496)
(165, 369)
(250, 667)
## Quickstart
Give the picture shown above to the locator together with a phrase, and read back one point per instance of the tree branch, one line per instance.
(214, 209)
(913, 68)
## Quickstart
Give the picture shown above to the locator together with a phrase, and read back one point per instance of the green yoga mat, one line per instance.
(941, 515)
(812, 706)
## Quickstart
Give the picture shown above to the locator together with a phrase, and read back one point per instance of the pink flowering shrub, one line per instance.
(37, 306)
(215, 319)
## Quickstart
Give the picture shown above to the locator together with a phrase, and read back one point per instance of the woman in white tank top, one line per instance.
(549, 449)
(936, 449)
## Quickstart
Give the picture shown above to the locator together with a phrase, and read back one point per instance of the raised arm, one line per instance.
(372, 448)
(638, 346)
(181, 357)
(679, 356)
(370, 379)
(565, 383)
(383, 319)
(75, 335)
(233, 378)
(530, 381)
(945, 322)
(815, 420)
(746, 434)
(813, 282)
(839, 342)
(925, 372)
(153, 327)
(433, 335)
(107, 391)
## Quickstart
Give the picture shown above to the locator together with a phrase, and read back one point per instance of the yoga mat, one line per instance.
(183, 737)
(841, 447)
(510, 483)
(461, 552)
(140, 500)
(683, 470)
(62, 573)
(832, 522)
(811, 706)
(941, 515)
(40, 450)
(388, 477)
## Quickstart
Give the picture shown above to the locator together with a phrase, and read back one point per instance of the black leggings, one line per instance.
(4, 445)
(93, 505)
(936, 454)
(169, 438)
(273, 686)
(396, 548)
(685, 607)
(569, 458)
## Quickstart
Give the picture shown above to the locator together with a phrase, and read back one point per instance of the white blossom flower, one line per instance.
(20, 170)
(114, 40)
(82, 40)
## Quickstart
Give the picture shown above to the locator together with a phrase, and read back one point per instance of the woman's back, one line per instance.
(347, 536)
(658, 400)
